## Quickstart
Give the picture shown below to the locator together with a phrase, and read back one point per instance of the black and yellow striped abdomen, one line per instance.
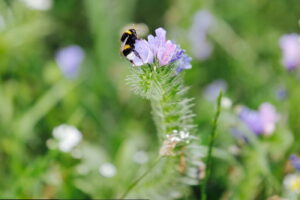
(128, 38)
(127, 49)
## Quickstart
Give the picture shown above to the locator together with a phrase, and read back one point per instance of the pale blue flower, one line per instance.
(290, 46)
(211, 92)
(201, 48)
(295, 160)
(69, 60)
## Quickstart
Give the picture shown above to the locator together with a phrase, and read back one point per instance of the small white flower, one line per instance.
(68, 137)
(140, 157)
(107, 170)
(226, 102)
(184, 135)
(38, 4)
(292, 183)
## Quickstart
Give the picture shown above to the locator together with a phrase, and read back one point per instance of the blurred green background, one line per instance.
(117, 129)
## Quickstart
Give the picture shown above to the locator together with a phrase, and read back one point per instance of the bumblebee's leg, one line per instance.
(137, 54)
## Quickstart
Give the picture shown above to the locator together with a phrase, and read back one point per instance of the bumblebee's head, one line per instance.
(133, 31)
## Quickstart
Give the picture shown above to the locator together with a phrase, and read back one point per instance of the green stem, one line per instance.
(140, 178)
(210, 148)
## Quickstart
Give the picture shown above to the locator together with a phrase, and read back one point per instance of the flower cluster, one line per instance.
(262, 121)
(172, 141)
(157, 49)
(290, 45)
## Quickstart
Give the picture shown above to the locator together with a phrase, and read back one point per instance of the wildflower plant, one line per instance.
(156, 75)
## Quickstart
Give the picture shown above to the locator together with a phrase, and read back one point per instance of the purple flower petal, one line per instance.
(184, 63)
(69, 60)
(145, 55)
(161, 35)
(158, 41)
(178, 54)
(268, 117)
(166, 52)
(252, 120)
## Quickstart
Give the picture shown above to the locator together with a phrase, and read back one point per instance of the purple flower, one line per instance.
(295, 160)
(202, 23)
(69, 60)
(145, 54)
(262, 121)
(211, 92)
(290, 45)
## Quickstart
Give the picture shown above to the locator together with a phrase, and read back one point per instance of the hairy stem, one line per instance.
(171, 110)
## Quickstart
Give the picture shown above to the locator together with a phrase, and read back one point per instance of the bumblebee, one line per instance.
(128, 40)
